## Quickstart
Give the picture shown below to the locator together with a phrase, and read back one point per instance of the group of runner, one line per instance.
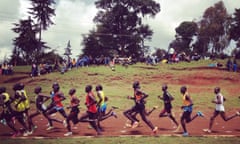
(187, 108)
(17, 107)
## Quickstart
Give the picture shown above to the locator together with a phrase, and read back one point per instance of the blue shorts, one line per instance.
(102, 108)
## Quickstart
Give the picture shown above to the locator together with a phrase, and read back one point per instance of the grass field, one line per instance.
(117, 85)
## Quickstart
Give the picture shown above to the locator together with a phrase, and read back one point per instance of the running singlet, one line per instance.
(26, 102)
(57, 100)
(92, 107)
(20, 106)
(186, 103)
(219, 107)
(101, 93)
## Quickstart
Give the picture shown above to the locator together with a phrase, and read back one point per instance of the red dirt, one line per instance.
(116, 127)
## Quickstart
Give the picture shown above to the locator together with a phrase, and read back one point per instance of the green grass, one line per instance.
(129, 140)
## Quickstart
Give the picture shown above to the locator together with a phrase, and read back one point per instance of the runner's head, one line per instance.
(37, 90)
(55, 87)
(183, 89)
(21, 86)
(99, 88)
(88, 88)
(164, 87)
(136, 85)
(16, 87)
(72, 91)
(217, 90)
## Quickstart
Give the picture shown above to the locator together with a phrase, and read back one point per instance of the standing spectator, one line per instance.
(34, 71)
(4, 69)
(170, 54)
(235, 66)
(229, 64)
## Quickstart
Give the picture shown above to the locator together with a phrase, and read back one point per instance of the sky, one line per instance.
(75, 18)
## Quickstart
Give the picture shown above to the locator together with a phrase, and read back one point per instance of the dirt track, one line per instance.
(116, 127)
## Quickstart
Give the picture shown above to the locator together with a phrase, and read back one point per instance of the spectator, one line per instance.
(235, 66)
(229, 65)
(34, 71)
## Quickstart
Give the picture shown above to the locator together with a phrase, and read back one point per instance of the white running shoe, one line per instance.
(68, 134)
(50, 128)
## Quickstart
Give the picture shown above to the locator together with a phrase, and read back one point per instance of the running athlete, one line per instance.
(219, 109)
(73, 116)
(187, 110)
(102, 106)
(56, 104)
(20, 107)
(167, 98)
(91, 113)
(7, 112)
(40, 109)
(139, 99)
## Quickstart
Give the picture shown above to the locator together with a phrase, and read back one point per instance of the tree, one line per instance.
(213, 32)
(42, 11)
(68, 52)
(26, 45)
(119, 27)
(184, 36)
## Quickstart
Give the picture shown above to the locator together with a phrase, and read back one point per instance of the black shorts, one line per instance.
(74, 115)
(186, 116)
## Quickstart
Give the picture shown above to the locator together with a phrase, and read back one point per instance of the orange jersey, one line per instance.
(186, 102)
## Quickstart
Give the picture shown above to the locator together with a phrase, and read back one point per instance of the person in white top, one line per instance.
(219, 109)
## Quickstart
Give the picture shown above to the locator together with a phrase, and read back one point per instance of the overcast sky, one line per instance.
(74, 18)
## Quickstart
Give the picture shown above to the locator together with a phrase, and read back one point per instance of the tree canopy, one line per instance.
(119, 28)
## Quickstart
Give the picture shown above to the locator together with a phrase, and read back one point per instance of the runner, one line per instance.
(102, 106)
(56, 105)
(187, 110)
(40, 109)
(91, 112)
(139, 98)
(219, 109)
(167, 98)
(7, 112)
(73, 116)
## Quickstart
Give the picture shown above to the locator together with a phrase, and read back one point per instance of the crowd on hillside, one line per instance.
(6, 69)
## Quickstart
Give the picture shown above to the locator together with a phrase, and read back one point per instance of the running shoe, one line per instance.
(185, 134)
(26, 133)
(238, 113)
(68, 134)
(155, 130)
(3, 121)
(50, 128)
(114, 114)
(207, 130)
(135, 124)
(200, 114)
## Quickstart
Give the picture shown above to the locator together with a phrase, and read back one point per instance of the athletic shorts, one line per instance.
(103, 108)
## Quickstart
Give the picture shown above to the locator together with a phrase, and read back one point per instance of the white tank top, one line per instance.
(220, 107)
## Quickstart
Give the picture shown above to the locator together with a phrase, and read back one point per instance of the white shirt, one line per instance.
(219, 107)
